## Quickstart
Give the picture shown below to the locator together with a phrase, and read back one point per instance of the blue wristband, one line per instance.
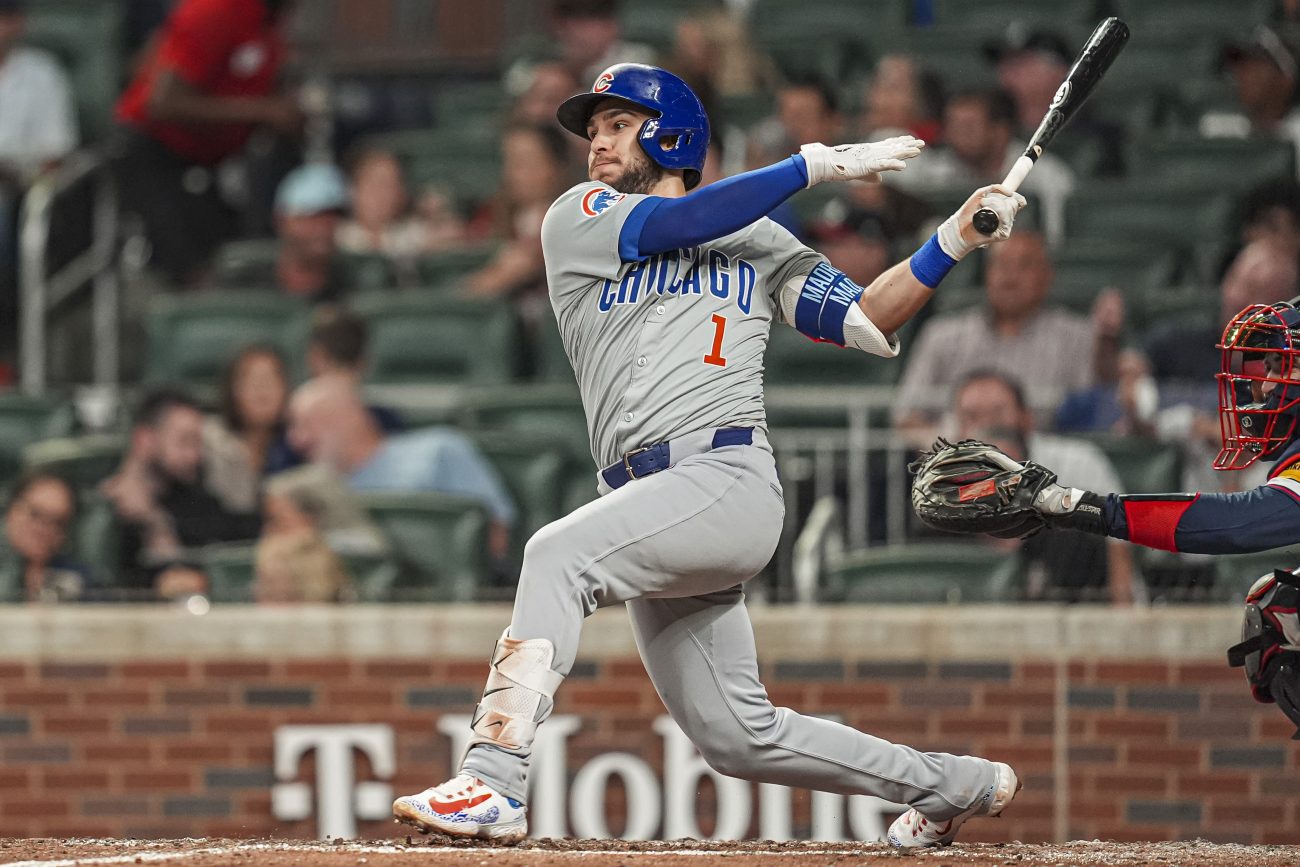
(931, 264)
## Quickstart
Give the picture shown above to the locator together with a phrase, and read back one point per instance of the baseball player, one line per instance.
(664, 301)
(974, 487)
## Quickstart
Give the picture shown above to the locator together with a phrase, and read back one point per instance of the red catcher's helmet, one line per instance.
(1259, 396)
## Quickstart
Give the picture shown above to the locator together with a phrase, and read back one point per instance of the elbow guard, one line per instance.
(823, 306)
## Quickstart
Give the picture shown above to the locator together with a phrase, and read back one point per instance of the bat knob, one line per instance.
(985, 221)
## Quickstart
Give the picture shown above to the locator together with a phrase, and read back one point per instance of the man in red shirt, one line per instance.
(209, 81)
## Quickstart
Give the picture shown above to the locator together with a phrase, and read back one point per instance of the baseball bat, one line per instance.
(1100, 51)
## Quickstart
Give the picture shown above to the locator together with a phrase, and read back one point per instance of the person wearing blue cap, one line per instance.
(309, 204)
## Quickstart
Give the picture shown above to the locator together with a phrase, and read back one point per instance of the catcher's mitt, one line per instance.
(973, 487)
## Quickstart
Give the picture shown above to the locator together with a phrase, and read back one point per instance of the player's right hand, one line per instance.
(858, 162)
(958, 236)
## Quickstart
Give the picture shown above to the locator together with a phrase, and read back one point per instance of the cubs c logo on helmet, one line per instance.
(603, 81)
(597, 201)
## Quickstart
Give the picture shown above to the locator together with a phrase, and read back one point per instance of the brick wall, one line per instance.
(1150, 749)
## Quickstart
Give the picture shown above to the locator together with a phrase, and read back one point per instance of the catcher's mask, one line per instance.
(1267, 649)
(1258, 394)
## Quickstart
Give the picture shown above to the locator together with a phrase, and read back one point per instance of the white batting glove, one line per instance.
(858, 162)
(957, 236)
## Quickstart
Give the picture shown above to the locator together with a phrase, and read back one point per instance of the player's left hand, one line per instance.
(958, 236)
(858, 162)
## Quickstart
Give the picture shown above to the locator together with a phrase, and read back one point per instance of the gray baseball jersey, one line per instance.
(665, 348)
(669, 344)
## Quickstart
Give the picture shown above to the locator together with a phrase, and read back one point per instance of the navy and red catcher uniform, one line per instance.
(1259, 405)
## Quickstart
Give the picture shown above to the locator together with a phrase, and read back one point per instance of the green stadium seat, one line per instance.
(85, 35)
(534, 473)
(25, 420)
(1235, 573)
(994, 15)
(231, 570)
(1202, 162)
(418, 337)
(744, 110)
(83, 461)
(447, 267)
(1192, 16)
(1167, 214)
(1160, 59)
(192, 337)
(550, 412)
(95, 538)
(1144, 466)
(656, 23)
(470, 104)
(923, 572)
(463, 159)
(956, 54)
(551, 362)
(373, 576)
(251, 265)
(438, 540)
(793, 359)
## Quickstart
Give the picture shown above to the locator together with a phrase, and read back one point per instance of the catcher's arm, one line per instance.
(973, 487)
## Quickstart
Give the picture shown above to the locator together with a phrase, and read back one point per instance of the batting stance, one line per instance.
(664, 301)
(974, 487)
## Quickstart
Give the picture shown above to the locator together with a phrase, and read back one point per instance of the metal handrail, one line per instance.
(42, 293)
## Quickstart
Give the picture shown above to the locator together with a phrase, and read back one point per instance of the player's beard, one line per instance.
(640, 176)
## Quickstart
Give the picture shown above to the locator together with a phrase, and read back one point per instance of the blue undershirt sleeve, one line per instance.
(657, 225)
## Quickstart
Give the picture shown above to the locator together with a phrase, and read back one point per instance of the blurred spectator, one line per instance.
(1269, 211)
(1031, 64)
(980, 148)
(901, 98)
(542, 87)
(1123, 404)
(535, 170)
(33, 567)
(899, 216)
(1182, 349)
(443, 224)
(336, 346)
(207, 83)
(247, 440)
(1014, 332)
(381, 220)
(38, 121)
(807, 110)
(160, 502)
(38, 127)
(715, 53)
(294, 560)
(1264, 71)
(330, 424)
(309, 206)
(1058, 565)
(856, 242)
(1185, 360)
(590, 37)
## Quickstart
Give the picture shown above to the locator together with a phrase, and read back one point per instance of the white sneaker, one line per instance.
(464, 806)
(913, 831)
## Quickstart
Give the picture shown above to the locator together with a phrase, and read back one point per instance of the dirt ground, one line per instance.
(594, 853)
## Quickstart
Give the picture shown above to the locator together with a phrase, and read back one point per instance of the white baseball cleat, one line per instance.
(913, 831)
(464, 806)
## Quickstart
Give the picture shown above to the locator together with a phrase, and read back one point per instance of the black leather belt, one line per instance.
(653, 459)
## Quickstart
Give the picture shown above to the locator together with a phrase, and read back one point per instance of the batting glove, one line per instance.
(858, 162)
(957, 236)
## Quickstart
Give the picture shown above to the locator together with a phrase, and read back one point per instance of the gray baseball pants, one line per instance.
(676, 547)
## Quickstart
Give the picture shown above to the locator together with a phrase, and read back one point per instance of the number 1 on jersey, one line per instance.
(715, 354)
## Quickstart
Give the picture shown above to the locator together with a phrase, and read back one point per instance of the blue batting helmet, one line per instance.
(677, 137)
